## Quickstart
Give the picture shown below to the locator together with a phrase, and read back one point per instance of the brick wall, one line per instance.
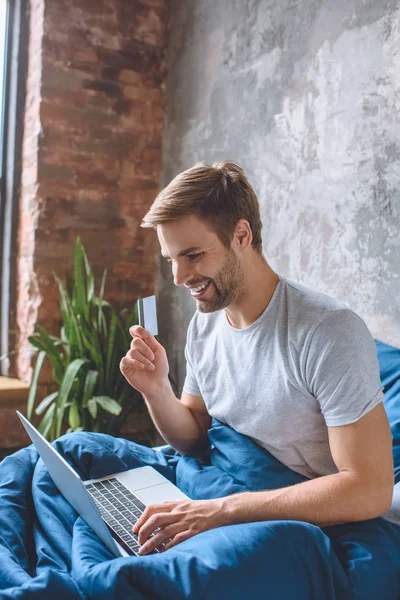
(92, 151)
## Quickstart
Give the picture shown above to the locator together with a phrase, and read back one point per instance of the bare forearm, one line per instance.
(174, 421)
(328, 500)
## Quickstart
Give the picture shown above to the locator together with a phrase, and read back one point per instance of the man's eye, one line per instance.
(189, 256)
(194, 256)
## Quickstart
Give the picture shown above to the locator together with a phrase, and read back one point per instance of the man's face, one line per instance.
(200, 259)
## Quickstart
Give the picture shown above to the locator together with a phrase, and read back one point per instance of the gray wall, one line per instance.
(305, 94)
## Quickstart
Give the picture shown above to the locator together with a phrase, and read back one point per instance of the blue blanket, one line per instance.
(48, 553)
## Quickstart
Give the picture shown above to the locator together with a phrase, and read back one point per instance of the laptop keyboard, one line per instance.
(120, 508)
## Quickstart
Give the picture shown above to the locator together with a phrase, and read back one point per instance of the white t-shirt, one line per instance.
(308, 362)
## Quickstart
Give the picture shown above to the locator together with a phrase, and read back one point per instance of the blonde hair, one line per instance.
(220, 195)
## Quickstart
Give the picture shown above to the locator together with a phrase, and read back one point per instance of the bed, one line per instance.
(48, 552)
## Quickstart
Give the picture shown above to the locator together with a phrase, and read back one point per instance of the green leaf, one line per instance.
(73, 416)
(66, 308)
(79, 296)
(37, 343)
(108, 404)
(66, 386)
(47, 422)
(33, 386)
(111, 343)
(45, 403)
(53, 355)
(89, 277)
(103, 283)
(89, 387)
(70, 322)
(98, 301)
(125, 324)
(85, 356)
(92, 407)
(93, 346)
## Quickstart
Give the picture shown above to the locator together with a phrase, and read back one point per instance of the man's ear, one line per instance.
(243, 234)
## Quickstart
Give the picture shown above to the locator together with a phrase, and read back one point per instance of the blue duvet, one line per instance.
(47, 552)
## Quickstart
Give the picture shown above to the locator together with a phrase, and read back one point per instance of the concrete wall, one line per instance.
(306, 96)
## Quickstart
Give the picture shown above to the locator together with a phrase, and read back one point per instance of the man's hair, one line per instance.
(220, 195)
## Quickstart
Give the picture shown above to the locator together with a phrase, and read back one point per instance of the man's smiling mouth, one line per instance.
(200, 290)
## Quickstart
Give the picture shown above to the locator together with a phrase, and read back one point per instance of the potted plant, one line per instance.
(92, 394)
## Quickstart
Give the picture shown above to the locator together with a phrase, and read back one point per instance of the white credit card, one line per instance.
(147, 313)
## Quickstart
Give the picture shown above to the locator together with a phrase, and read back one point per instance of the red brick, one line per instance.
(92, 154)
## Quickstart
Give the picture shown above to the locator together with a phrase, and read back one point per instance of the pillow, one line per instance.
(389, 363)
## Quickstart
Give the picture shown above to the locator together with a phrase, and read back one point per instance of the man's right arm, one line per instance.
(182, 423)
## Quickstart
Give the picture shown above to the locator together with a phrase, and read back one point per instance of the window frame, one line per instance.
(14, 95)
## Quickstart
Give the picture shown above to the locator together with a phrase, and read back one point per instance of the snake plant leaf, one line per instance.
(110, 346)
(72, 430)
(37, 343)
(93, 345)
(66, 308)
(70, 322)
(108, 404)
(47, 422)
(89, 278)
(66, 386)
(99, 302)
(45, 403)
(124, 326)
(32, 389)
(89, 386)
(56, 340)
(79, 296)
(103, 283)
(53, 355)
(92, 394)
(92, 407)
(73, 416)
(63, 338)
(66, 345)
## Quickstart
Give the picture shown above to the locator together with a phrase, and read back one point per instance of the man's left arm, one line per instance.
(361, 489)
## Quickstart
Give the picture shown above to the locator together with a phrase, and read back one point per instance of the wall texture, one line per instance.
(92, 153)
(306, 96)
(92, 150)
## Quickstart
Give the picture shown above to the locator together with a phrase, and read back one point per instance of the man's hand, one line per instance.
(145, 365)
(178, 521)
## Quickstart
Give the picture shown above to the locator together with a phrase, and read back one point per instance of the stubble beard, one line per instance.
(227, 285)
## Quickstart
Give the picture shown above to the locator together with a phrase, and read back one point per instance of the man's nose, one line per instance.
(181, 274)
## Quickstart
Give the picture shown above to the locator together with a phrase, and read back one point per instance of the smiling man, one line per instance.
(293, 369)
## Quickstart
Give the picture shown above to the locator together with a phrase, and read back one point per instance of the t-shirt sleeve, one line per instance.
(190, 385)
(342, 369)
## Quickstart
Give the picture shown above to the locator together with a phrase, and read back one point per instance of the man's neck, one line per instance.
(260, 285)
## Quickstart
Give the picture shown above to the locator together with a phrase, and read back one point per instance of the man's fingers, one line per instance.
(137, 356)
(152, 509)
(177, 539)
(159, 520)
(141, 346)
(160, 539)
(139, 332)
(129, 363)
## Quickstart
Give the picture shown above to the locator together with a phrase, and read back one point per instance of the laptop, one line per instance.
(109, 505)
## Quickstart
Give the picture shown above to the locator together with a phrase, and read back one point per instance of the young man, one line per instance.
(293, 369)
